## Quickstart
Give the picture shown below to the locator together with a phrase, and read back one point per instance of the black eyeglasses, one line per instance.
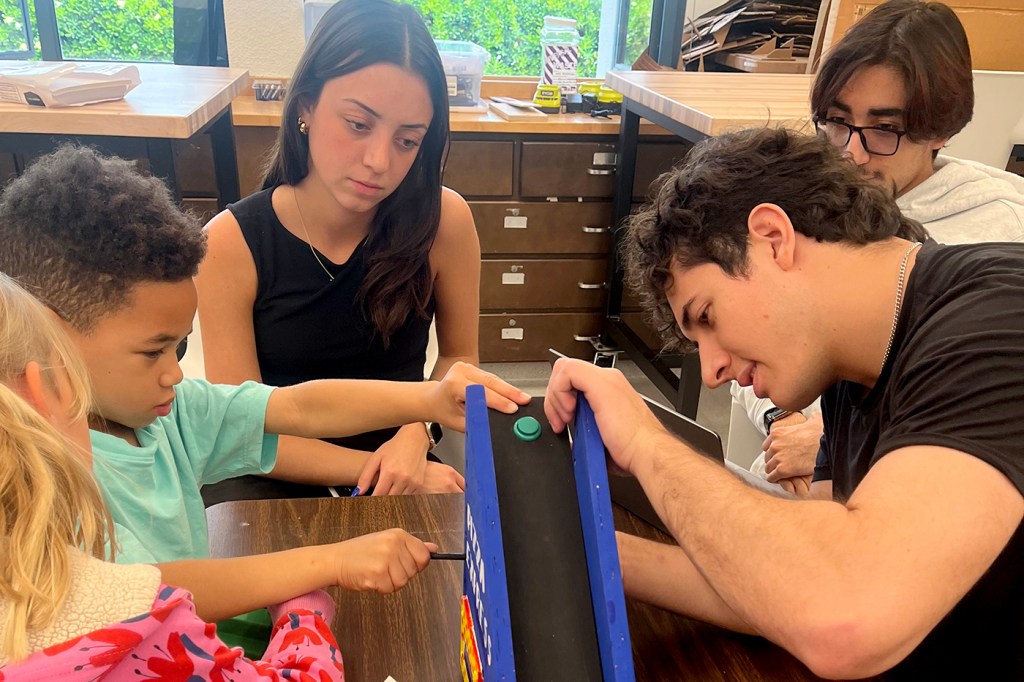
(182, 347)
(876, 141)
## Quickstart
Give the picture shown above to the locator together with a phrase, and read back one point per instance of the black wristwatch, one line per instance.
(434, 433)
(773, 415)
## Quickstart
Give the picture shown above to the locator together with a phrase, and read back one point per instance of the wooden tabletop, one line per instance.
(667, 646)
(712, 103)
(172, 101)
(414, 634)
(247, 111)
(410, 635)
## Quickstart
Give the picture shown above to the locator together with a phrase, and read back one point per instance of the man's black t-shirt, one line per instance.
(954, 379)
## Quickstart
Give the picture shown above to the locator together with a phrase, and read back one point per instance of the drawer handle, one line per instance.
(584, 285)
(601, 171)
(596, 230)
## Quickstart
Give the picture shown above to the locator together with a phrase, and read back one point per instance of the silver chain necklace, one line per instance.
(899, 303)
(309, 242)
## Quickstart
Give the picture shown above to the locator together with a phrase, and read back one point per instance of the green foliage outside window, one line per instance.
(12, 30)
(143, 30)
(119, 30)
(510, 29)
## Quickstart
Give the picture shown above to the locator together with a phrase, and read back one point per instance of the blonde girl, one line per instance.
(63, 610)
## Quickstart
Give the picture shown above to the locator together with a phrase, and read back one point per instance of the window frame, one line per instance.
(666, 34)
(26, 26)
(49, 38)
(209, 49)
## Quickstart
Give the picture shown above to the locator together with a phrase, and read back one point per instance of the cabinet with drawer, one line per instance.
(516, 337)
(507, 227)
(543, 209)
(480, 168)
(543, 283)
(567, 169)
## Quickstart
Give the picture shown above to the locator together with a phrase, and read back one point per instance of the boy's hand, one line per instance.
(381, 562)
(449, 396)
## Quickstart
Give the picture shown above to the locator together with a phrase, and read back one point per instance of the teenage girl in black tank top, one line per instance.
(335, 269)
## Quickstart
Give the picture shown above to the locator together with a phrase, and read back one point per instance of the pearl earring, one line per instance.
(303, 127)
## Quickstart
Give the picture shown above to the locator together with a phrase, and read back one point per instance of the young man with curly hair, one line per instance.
(890, 93)
(793, 273)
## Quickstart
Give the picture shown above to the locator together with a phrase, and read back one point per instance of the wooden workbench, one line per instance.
(172, 102)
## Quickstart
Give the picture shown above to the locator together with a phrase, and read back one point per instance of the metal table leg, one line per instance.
(225, 162)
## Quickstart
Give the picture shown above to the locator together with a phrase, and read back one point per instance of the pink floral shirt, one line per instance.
(170, 644)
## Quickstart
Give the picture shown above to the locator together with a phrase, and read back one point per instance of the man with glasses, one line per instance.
(891, 93)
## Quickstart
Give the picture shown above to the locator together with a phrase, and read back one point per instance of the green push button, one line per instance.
(527, 428)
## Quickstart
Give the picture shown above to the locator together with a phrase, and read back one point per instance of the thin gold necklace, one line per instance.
(899, 302)
(309, 242)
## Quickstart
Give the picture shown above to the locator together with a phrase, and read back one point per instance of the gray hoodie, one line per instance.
(965, 202)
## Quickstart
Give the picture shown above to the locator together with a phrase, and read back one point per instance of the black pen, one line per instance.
(454, 556)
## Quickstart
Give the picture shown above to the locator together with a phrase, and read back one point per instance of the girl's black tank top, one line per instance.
(310, 327)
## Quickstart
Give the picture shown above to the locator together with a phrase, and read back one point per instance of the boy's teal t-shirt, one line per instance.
(213, 432)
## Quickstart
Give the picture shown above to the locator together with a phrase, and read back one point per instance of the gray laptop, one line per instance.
(626, 490)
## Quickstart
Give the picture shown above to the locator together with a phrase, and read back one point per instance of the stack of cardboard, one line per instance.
(777, 35)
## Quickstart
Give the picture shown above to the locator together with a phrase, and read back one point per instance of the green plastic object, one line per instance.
(526, 428)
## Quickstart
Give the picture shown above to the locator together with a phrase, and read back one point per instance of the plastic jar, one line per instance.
(560, 44)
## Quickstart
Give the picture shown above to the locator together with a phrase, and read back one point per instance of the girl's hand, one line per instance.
(441, 478)
(399, 465)
(381, 562)
(449, 396)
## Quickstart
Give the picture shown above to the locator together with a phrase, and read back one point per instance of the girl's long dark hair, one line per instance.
(352, 35)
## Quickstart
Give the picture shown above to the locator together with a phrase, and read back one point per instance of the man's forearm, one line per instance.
(224, 588)
(750, 547)
(663, 575)
(754, 407)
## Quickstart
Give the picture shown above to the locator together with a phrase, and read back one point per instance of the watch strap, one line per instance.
(434, 433)
(773, 415)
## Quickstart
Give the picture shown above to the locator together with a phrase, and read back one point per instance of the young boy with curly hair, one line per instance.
(107, 250)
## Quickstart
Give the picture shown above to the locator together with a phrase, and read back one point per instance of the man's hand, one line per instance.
(798, 486)
(622, 416)
(790, 450)
(449, 396)
(381, 562)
